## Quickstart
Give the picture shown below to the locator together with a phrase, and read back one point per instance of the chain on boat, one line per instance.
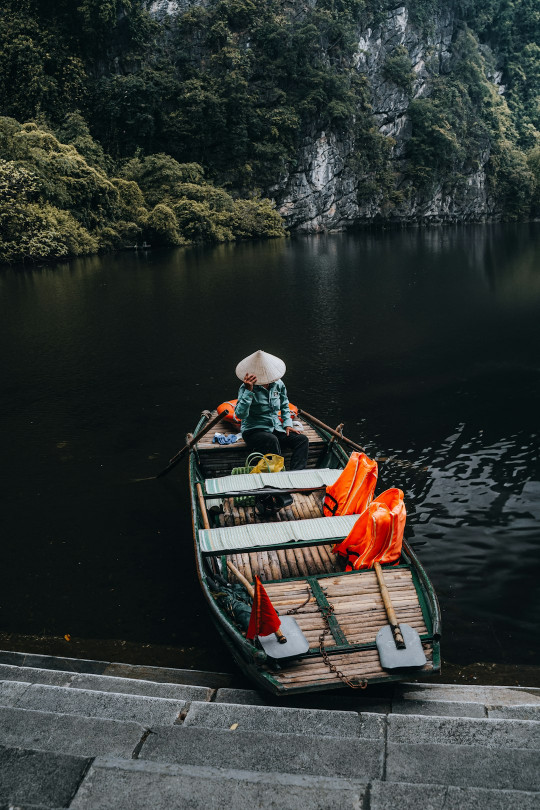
(326, 612)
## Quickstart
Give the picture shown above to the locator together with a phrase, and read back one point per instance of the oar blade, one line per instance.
(391, 657)
(297, 644)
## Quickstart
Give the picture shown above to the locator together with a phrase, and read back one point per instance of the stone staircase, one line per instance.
(89, 735)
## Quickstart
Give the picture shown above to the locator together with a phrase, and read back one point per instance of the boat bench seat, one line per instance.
(294, 479)
(253, 536)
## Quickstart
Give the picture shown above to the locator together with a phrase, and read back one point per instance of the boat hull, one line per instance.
(348, 657)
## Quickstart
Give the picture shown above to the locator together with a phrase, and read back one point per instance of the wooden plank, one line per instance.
(292, 563)
(300, 561)
(247, 567)
(275, 567)
(283, 564)
(367, 670)
(349, 664)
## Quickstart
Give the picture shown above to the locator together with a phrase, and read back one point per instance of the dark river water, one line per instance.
(426, 343)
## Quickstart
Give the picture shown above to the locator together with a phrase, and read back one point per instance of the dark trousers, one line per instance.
(264, 441)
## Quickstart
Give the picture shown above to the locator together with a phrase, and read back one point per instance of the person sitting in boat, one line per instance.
(260, 398)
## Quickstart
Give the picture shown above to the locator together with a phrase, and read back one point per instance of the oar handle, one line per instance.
(251, 591)
(241, 578)
(390, 612)
(336, 434)
(181, 453)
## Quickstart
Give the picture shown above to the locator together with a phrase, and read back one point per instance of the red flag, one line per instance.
(264, 619)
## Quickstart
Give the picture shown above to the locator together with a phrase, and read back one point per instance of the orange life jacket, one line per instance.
(377, 535)
(353, 491)
(230, 406)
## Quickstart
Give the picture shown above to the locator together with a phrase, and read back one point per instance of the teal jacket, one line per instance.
(259, 408)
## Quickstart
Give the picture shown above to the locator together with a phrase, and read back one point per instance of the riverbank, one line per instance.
(126, 652)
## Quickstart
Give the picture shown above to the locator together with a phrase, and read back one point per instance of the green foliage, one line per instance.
(196, 210)
(533, 162)
(34, 230)
(459, 124)
(512, 29)
(161, 226)
(213, 104)
(53, 203)
(158, 176)
(74, 130)
(397, 69)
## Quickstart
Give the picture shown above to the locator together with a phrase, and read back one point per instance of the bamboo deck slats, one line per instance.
(303, 507)
(285, 563)
(356, 599)
(355, 665)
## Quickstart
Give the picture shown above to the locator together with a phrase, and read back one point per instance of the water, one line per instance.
(424, 342)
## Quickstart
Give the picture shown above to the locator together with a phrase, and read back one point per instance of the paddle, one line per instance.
(336, 434)
(277, 645)
(398, 645)
(249, 588)
(181, 453)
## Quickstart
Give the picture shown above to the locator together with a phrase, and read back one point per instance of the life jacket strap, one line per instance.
(327, 508)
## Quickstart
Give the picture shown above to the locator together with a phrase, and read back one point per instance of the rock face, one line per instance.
(321, 194)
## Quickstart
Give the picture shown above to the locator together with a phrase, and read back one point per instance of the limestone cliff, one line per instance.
(321, 193)
(323, 187)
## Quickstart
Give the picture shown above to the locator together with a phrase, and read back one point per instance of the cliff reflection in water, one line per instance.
(424, 342)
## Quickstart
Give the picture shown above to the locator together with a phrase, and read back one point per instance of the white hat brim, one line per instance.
(266, 367)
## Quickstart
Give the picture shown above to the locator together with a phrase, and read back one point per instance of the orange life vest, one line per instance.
(353, 491)
(377, 535)
(230, 406)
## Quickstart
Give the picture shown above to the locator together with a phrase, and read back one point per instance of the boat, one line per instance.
(338, 612)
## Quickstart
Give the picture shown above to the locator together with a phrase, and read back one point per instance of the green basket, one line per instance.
(246, 500)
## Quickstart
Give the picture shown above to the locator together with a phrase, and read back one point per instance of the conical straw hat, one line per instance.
(266, 367)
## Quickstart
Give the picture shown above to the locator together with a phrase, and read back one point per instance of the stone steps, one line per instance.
(105, 683)
(85, 702)
(214, 680)
(90, 740)
(71, 734)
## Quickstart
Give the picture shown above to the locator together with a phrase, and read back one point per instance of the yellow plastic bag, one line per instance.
(270, 462)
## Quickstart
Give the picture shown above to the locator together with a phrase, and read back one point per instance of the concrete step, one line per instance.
(483, 753)
(521, 703)
(267, 752)
(468, 752)
(415, 698)
(105, 683)
(64, 700)
(193, 677)
(137, 785)
(41, 778)
(505, 734)
(418, 796)
(70, 733)
(284, 720)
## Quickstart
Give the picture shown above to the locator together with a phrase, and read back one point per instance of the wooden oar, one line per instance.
(240, 577)
(398, 645)
(181, 453)
(251, 591)
(336, 434)
(390, 612)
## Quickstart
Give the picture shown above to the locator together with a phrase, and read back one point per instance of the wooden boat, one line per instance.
(302, 577)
